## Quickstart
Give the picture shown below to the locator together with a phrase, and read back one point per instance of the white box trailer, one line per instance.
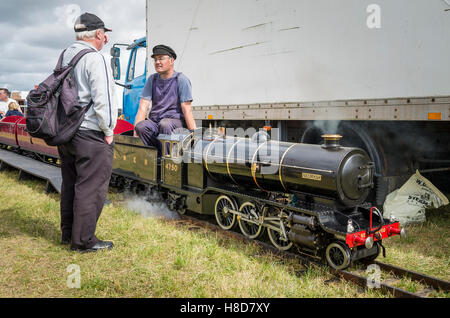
(289, 51)
(377, 71)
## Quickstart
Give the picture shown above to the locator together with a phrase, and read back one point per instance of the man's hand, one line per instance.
(144, 106)
(109, 139)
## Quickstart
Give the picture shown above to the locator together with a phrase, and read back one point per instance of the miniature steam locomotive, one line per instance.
(308, 196)
(312, 197)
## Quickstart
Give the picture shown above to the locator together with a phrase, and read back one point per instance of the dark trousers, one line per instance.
(86, 165)
(149, 130)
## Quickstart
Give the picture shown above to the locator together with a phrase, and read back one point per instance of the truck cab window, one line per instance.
(137, 64)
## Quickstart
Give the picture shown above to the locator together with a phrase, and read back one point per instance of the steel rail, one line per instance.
(434, 282)
(363, 282)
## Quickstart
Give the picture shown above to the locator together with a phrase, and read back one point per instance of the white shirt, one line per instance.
(4, 105)
(94, 82)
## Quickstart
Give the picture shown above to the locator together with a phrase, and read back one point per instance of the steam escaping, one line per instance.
(156, 208)
(328, 126)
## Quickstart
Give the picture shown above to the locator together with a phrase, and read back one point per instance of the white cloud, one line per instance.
(30, 50)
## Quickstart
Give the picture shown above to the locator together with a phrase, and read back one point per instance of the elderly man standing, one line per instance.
(86, 161)
(170, 95)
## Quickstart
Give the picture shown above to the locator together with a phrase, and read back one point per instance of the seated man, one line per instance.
(170, 93)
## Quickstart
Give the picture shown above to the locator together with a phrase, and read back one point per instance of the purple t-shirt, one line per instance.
(184, 87)
(167, 95)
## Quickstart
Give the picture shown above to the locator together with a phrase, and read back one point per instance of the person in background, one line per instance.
(13, 110)
(5, 101)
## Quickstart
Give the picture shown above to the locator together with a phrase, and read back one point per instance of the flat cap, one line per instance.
(164, 50)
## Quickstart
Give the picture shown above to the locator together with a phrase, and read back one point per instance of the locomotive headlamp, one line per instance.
(350, 227)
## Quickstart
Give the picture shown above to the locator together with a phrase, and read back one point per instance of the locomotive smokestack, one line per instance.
(331, 141)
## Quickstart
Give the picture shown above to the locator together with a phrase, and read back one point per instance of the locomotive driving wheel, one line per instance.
(338, 255)
(224, 217)
(276, 236)
(250, 228)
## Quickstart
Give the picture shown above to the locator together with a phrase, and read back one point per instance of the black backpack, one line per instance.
(54, 113)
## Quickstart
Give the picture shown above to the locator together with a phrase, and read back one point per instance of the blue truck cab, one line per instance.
(135, 75)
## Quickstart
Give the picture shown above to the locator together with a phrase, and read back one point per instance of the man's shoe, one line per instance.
(66, 238)
(65, 241)
(101, 245)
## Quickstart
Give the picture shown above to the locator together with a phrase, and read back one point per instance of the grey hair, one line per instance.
(85, 35)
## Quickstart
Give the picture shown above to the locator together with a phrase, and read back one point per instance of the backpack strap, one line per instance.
(59, 64)
(89, 105)
(74, 60)
(79, 55)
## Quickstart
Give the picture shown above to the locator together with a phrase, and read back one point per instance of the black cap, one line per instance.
(164, 50)
(89, 22)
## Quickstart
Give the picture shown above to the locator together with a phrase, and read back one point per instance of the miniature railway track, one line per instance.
(431, 282)
(384, 287)
(355, 277)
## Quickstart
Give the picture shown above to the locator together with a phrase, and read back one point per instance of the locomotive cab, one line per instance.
(173, 170)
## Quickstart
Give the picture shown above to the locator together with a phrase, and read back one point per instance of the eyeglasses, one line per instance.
(160, 59)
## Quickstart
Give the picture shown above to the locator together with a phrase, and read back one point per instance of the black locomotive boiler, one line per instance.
(309, 196)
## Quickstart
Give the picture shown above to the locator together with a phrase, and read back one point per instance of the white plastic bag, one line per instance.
(407, 204)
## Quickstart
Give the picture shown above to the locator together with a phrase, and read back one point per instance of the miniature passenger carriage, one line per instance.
(308, 196)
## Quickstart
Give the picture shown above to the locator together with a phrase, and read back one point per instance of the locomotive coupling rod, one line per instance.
(268, 222)
(243, 216)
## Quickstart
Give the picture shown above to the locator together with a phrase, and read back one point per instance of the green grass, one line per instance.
(426, 247)
(153, 257)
